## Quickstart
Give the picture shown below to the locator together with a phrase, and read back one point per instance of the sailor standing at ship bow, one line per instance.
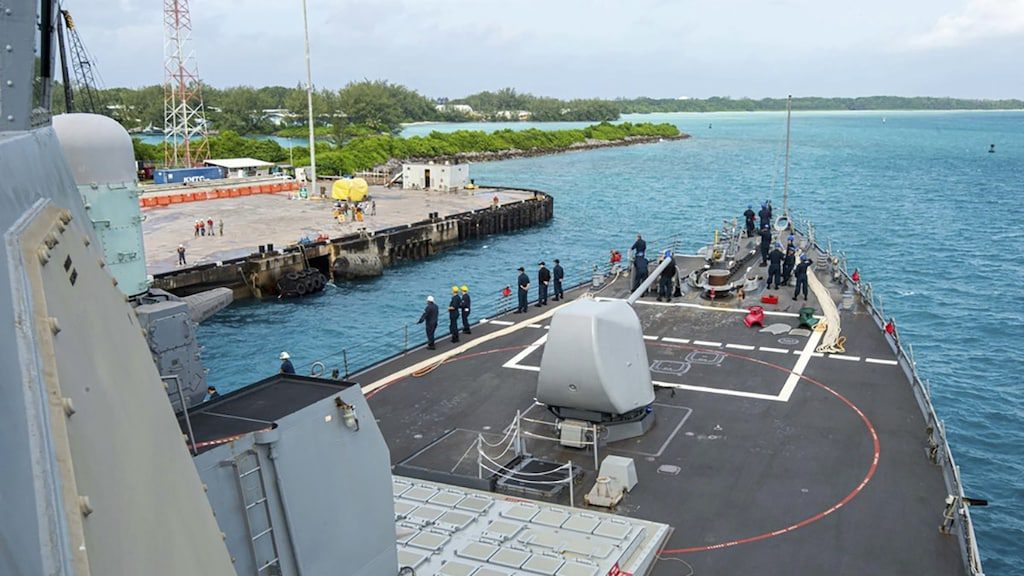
(429, 316)
(559, 273)
(454, 306)
(543, 278)
(523, 283)
(465, 309)
(286, 363)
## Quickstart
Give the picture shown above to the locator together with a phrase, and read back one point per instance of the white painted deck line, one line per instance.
(881, 361)
(675, 340)
(703, 307)
(776, 350)
(514, 361)
(646, 337)
(707, 343)
(536, 325)
(801, 364)
(740, 346)
(501, 322)
(845, 357)
(722, 391)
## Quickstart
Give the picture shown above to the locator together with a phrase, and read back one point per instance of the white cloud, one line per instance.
(978, 20)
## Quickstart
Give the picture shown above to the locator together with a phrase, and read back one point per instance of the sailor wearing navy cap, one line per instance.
(524, 289)
(543, 278)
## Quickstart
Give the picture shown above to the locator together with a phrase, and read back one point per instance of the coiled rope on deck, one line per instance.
(831, 342)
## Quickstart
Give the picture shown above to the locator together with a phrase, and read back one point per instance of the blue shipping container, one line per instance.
(185, 175)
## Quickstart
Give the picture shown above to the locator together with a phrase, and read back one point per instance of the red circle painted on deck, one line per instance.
(877, 450)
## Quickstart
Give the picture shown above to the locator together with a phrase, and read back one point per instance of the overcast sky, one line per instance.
(579, 48)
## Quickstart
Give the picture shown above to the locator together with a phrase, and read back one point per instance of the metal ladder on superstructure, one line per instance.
(253, 491)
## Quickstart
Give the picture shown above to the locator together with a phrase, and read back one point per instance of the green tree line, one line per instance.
(381, 107)
(366, 152)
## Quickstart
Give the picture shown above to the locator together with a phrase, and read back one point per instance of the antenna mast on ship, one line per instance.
(785, 177)
(309, 105)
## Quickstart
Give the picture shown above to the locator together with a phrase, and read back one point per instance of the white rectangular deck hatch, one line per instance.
(581, 523)
(455, 568)
(420, 493)
(428, 541)
(474, 504)
(510, 558)
(448, 498)
(455, 520)
(612, 529)
(545, 565)
(577, 569)
(551, 517)
(478, 551)
(521, 512)
(410, 558)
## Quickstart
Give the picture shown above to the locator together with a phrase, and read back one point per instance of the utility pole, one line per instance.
(309, 106)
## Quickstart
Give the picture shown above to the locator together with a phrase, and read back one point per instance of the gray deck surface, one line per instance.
(767, 484)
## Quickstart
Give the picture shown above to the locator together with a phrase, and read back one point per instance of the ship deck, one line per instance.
(765, 456)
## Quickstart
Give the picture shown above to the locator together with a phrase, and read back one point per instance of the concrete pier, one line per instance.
(407, 225)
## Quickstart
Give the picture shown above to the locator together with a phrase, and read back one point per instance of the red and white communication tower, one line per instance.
(185, 141)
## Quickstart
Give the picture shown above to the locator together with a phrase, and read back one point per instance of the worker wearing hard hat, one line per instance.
(430, 317)
(286, 363)
(454, 305)
(465, 309)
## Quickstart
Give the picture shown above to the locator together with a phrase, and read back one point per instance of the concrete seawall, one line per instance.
(256, 275)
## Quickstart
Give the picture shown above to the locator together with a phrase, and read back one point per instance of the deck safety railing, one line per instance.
(957, 504)
(512, 443)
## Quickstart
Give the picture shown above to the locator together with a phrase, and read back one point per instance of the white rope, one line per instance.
(831, 342)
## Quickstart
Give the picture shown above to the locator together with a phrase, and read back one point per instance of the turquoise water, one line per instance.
(915, 201)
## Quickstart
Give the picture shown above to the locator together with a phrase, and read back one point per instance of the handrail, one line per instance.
(944, 458)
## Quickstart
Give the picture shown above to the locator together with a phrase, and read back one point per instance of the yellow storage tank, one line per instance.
(340, 189)
(358, 190)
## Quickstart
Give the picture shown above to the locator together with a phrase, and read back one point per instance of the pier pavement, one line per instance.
(278, 219)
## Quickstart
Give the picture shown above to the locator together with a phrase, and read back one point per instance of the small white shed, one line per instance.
(440, 177)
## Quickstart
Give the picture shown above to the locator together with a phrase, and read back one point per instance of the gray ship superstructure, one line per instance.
(609, 434)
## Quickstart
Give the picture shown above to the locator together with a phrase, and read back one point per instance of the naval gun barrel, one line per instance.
(642, 288)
